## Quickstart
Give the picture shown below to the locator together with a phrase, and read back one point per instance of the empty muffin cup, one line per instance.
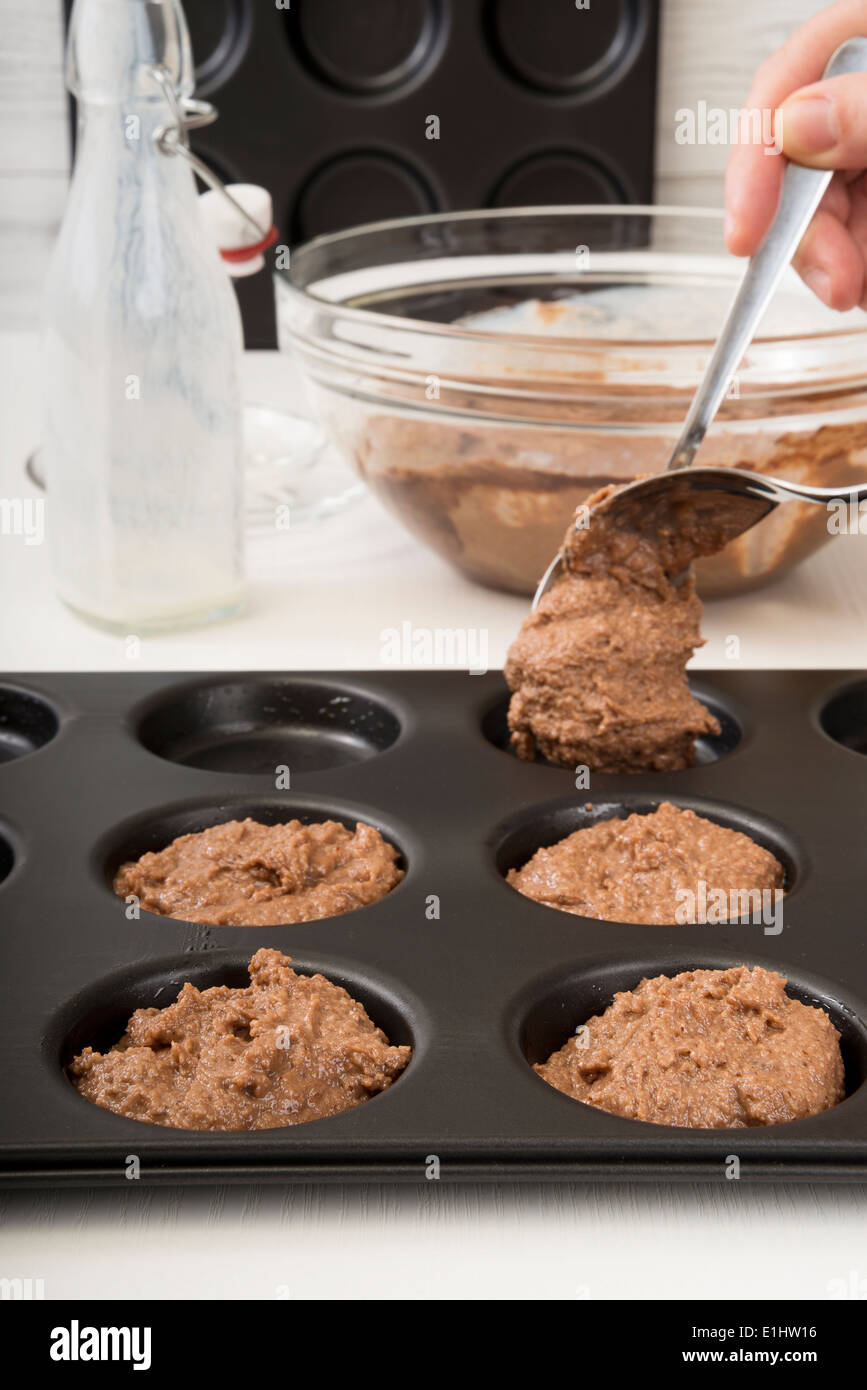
(843, 717)
(257, 726)
(7, 858)
(367, 52)
(27, 722)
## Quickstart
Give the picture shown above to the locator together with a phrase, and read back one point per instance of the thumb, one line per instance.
(825, 125)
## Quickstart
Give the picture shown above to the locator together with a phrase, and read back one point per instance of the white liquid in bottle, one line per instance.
(142, 434)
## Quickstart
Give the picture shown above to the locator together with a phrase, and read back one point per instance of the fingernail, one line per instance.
(809, 125)
(819, 282)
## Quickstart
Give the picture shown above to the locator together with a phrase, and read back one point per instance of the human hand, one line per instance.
(824, 125)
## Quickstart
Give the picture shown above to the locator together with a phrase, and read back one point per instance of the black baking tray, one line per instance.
(327, 103)
(97, 768)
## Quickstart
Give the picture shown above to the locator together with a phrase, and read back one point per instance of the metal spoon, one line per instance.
(744, 498)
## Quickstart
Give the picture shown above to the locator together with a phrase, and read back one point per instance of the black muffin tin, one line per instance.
(327, 103)
(100, 768)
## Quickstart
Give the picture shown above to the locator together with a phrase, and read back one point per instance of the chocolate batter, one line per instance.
(243, 874)
(287, 1049)
(494, 500)
(598, 671)
(637, 869)
(707, 1049)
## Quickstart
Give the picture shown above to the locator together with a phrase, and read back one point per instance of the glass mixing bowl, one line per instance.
(487, 371)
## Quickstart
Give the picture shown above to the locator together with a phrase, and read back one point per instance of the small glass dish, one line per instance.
(291, 473)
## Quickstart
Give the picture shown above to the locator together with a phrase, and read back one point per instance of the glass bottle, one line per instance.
(142, 344)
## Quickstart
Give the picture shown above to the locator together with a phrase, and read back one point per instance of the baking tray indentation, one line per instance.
(365, 49)
(27, 722)
(567, 50)
(256, 727)
(843, 717)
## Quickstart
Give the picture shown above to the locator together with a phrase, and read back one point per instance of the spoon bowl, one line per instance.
(722, 501)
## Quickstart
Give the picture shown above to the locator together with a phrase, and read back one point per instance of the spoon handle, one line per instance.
(852, 496)
(800, 195)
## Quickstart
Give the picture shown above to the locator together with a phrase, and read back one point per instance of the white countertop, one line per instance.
(321, 599)
(321, 595)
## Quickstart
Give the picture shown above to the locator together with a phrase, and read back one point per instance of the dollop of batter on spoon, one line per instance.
(598, 670)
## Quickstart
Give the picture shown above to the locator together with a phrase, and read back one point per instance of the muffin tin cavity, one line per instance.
(561, 51)
(518, 838)
(255, 727)
(7, 858)
(709, 749)
(547, 1013)
(844, 717)
(98, 1016)
(365, 49)
(556, 176)
(376, 183)
(222, 29)
(27, 722)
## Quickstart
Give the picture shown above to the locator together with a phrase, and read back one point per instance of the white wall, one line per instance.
(34, 150)
(709, 50)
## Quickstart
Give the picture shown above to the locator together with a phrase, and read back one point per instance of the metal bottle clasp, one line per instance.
(173, 139)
